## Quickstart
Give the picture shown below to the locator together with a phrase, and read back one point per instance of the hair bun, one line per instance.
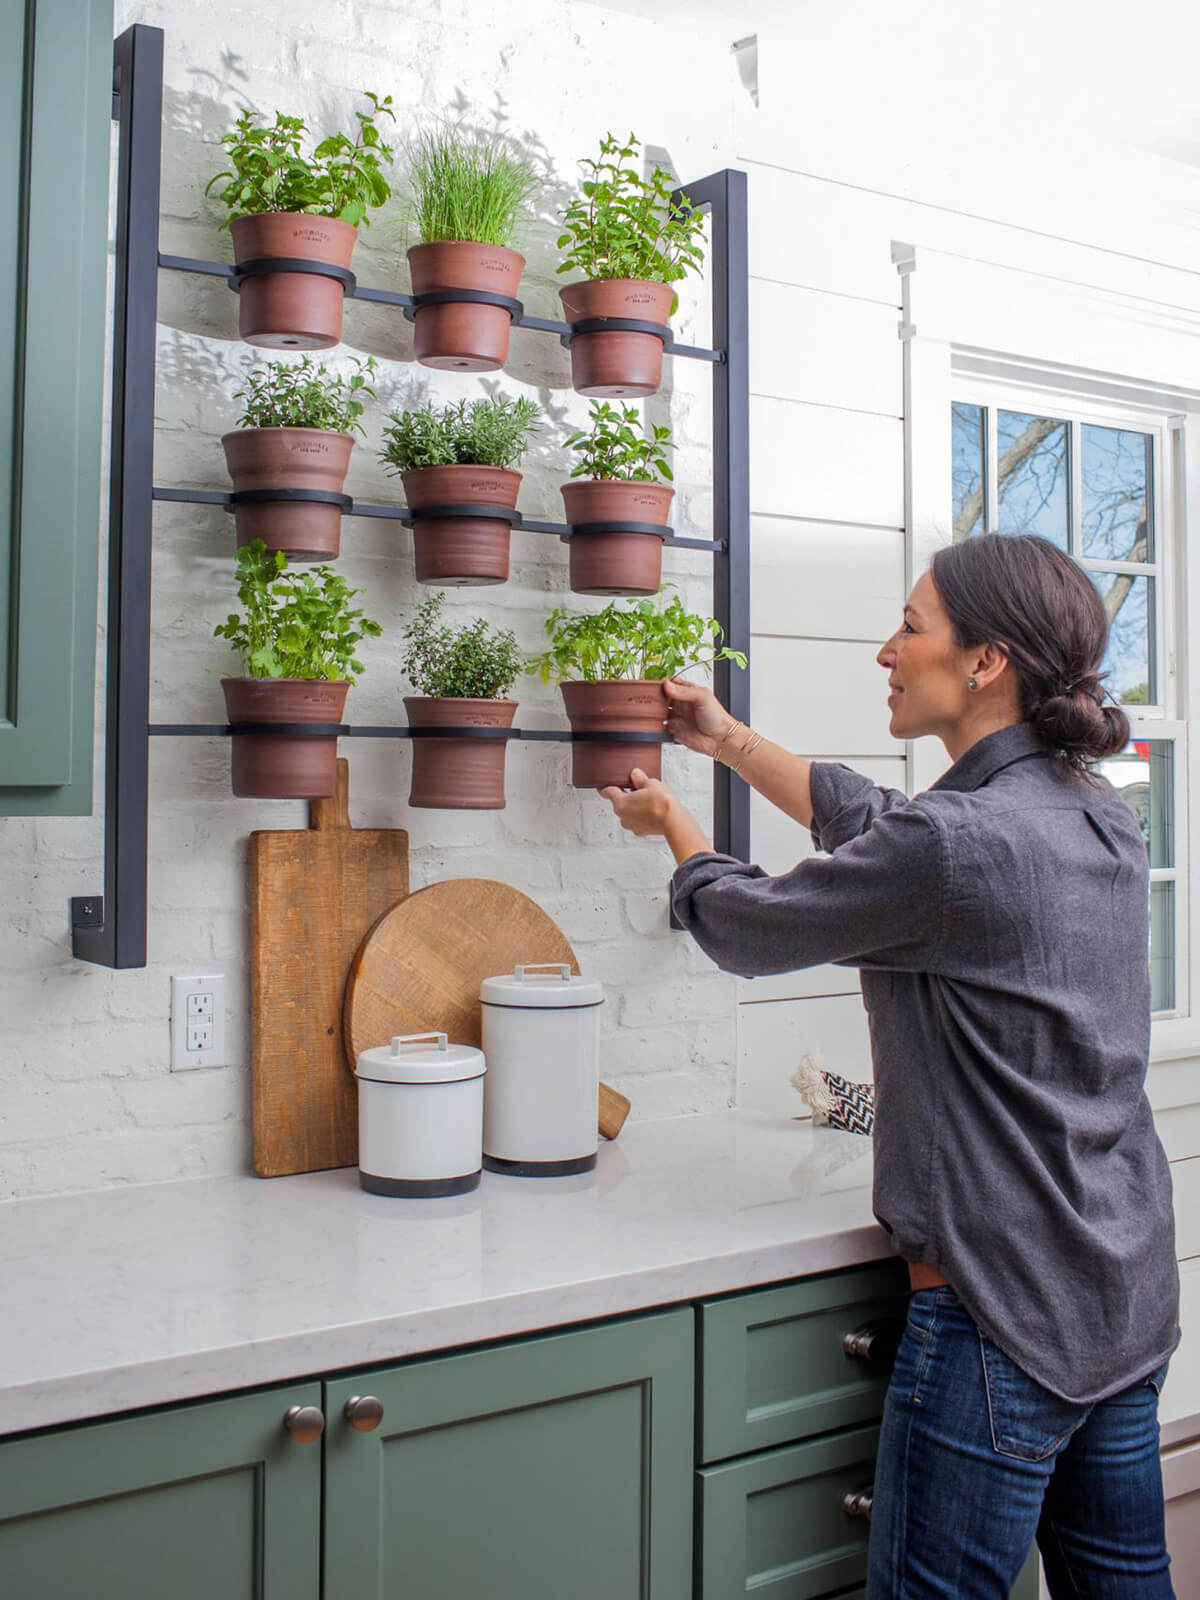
(1077, 722)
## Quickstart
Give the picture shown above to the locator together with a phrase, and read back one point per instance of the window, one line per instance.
(1092, 483)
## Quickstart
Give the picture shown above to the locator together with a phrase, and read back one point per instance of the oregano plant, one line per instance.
(648, 640)
(617, 446)
(304, 394)
(480, 433)
(625, 225)
(471, 662)
(295, 624)
(268, 171)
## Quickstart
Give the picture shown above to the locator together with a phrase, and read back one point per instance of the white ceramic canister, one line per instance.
(541, 1040)
(420, 1116)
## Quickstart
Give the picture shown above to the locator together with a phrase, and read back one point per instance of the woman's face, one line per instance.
(927, 672)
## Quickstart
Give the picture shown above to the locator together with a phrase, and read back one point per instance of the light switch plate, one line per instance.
(198, 1021)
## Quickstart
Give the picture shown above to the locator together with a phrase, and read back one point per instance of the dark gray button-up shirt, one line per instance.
(1000, 922)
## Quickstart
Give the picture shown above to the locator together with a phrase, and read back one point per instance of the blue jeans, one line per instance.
(976, 1460)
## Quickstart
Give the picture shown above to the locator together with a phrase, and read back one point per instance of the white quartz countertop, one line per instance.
(162, 1292)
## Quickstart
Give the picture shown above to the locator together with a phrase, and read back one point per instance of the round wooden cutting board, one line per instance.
(420, 966)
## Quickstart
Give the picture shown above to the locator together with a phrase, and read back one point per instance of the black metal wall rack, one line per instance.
(109, 929)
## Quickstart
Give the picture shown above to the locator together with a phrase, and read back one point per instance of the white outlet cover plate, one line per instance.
(210, 986)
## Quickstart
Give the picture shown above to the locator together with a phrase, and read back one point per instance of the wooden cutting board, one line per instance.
(420, 967)
(313, 896)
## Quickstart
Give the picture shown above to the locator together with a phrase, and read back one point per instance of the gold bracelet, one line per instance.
(748, 749)
(724, 738)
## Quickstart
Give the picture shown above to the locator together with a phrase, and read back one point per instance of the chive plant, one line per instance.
(469, 187)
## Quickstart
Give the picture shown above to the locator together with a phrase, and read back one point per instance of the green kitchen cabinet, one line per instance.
(191, 1503)
(56, 112)
(559, 1466)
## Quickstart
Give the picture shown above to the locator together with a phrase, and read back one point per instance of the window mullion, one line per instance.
(1075, 488)
(991, 500)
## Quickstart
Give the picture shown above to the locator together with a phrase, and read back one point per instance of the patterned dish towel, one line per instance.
(836, 1102)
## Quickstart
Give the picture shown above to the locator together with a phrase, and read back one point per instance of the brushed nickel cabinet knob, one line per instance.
(363, 1411)
(858, 1503)
(874, 1341)
(306, 1424)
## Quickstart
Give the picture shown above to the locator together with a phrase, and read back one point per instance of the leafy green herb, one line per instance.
(479, 433)
(469, 187)
(473, 662)
(300, 625)
(612, 449)
(342, 178)
(648, 640)
(303, 394)
(624, 225)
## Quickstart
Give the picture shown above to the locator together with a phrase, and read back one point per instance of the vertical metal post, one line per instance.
(725, 194)
(120, 939)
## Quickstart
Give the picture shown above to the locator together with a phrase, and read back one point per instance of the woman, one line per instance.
(999, 921)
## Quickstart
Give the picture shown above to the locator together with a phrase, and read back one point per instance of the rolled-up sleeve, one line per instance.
(876, 902)
(845, 803)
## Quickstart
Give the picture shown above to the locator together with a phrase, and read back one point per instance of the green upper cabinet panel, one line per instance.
(558, 1466)
(56, 110)
(215, 1501)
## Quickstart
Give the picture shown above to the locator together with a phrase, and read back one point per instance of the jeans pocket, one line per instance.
(922, 1309)
(1027, 1421)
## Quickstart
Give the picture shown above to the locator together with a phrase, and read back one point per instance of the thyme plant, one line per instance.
(648, 640)
(469, 187)
(342, 178)
(296, 625)
(303, 394)
(623, 225)
(613, 449)
(478, 433)
(473, 662)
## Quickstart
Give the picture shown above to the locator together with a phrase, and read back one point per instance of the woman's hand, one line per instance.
(696, 717)
(650, 810)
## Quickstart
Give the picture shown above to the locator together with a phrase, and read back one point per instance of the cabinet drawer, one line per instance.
(775, 1525)
(773, 1366)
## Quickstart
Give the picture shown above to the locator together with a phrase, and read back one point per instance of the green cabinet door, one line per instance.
(214, 1501)
(56, 116)
(557, 1466)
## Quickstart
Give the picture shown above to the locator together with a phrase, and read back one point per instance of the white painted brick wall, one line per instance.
(86, 1097)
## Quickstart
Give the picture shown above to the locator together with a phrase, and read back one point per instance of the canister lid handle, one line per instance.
(563, 968)
(414, 1038)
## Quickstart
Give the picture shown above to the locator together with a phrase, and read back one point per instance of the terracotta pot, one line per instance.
(616, 563)
(289, 458)
(280, 766)
(624, 705)
(458, 774)
(461, 551)
(616, 363)
(459, 335)
(292, 310)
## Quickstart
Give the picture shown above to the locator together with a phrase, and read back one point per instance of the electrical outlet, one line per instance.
(198, 1022)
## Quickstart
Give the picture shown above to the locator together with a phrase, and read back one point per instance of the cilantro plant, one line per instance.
(296, 625)
(279, 394)
(648, 640)
(342, 178)
(612, 448)
(468, 187)
(623, 225)
(473, 662)
(478, 433)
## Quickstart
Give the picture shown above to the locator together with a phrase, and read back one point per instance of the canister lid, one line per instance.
(420, 1058)
(538, 985)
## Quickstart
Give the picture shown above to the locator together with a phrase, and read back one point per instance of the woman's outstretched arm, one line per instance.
(698, 720)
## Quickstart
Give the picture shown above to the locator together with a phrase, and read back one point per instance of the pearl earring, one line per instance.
(971, 684)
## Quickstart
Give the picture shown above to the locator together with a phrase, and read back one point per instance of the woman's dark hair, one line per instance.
(1041, 610)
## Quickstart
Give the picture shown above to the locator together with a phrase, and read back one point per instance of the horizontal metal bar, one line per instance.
(199, 497)
(222, 730)
(390, 297)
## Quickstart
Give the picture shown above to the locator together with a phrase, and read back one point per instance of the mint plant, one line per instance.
(469, 187)
(624, 225)
(479, 433)
(301, 625)
(613, 449)
(303, 394)
(648, 640)
(343, 177)
(473, 662)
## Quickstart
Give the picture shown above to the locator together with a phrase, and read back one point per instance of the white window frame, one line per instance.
(1103, 353)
